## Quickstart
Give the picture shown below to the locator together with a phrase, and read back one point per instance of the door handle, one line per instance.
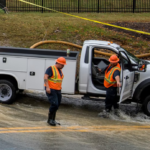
(4, 59)
(32, 73)
(127, 77)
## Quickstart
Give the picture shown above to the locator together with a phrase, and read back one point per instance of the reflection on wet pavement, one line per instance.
(128, 112)
(23, 127)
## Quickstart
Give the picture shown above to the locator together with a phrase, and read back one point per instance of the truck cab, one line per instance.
(134, 73)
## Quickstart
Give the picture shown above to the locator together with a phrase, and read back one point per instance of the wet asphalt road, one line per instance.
(23, 127)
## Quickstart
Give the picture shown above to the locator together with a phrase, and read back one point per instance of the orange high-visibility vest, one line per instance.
(55, 81)
(108, 80)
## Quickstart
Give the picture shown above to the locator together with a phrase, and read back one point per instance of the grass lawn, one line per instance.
(1, 11)
(25, 29)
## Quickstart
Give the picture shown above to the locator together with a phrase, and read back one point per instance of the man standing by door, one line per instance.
(53, 81)
(111, 82)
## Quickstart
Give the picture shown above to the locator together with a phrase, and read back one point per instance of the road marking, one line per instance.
(71, 129)
(74, 127)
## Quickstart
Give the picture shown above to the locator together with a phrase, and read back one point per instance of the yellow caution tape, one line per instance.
(128, 29)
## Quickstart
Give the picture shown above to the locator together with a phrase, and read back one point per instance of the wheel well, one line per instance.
(145, 93)
(9, 78)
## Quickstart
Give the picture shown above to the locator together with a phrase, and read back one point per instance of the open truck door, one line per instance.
(127, 85)
(126, 77)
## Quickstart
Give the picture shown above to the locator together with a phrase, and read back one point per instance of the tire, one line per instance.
(146, 105)
(7, 92)
(21, 91)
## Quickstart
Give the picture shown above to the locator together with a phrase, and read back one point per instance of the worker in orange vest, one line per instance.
(53, 81)
(111, 82)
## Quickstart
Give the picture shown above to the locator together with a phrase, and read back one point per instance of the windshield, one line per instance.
(131, 56)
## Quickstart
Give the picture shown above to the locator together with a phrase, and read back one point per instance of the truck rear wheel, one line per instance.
(7, 92)
(146, 105)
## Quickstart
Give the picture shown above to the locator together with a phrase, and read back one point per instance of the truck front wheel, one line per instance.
(146, 105)
(7, 92)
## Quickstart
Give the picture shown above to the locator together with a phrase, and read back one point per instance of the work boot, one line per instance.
(50, 120)
(117, 112)
(54, 116)
(105, 113)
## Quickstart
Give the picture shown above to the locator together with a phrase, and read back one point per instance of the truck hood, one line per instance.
(148, 61)
(144, 75)
(148, 66)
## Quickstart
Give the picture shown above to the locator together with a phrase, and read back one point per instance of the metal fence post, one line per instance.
(78, 6)
(134, 5)
(42, 6)
(98, 7)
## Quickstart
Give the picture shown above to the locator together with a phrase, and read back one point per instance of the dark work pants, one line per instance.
(111, 98)
(55, 99)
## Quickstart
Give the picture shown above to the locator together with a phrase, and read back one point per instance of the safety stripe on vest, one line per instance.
(55, 73)
(55, 79)
(113, 71)
(111, 82)
(108, 80)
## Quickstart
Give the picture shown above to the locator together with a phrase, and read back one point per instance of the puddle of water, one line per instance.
(137, 118)
(76, 113)
(127, 111)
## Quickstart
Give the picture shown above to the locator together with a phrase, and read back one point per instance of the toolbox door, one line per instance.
(35, 74)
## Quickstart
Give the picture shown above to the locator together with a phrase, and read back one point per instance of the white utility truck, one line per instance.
(22, 68)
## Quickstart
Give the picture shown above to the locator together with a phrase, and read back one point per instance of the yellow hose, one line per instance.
(56, 42)
(80, 47)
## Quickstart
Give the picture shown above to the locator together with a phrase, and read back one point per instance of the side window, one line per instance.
(125, 61)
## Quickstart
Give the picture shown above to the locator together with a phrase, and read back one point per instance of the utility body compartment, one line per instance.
(28, 66)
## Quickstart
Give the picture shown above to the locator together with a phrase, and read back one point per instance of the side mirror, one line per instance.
(139, 68)
(134, 67)
(142, 68)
